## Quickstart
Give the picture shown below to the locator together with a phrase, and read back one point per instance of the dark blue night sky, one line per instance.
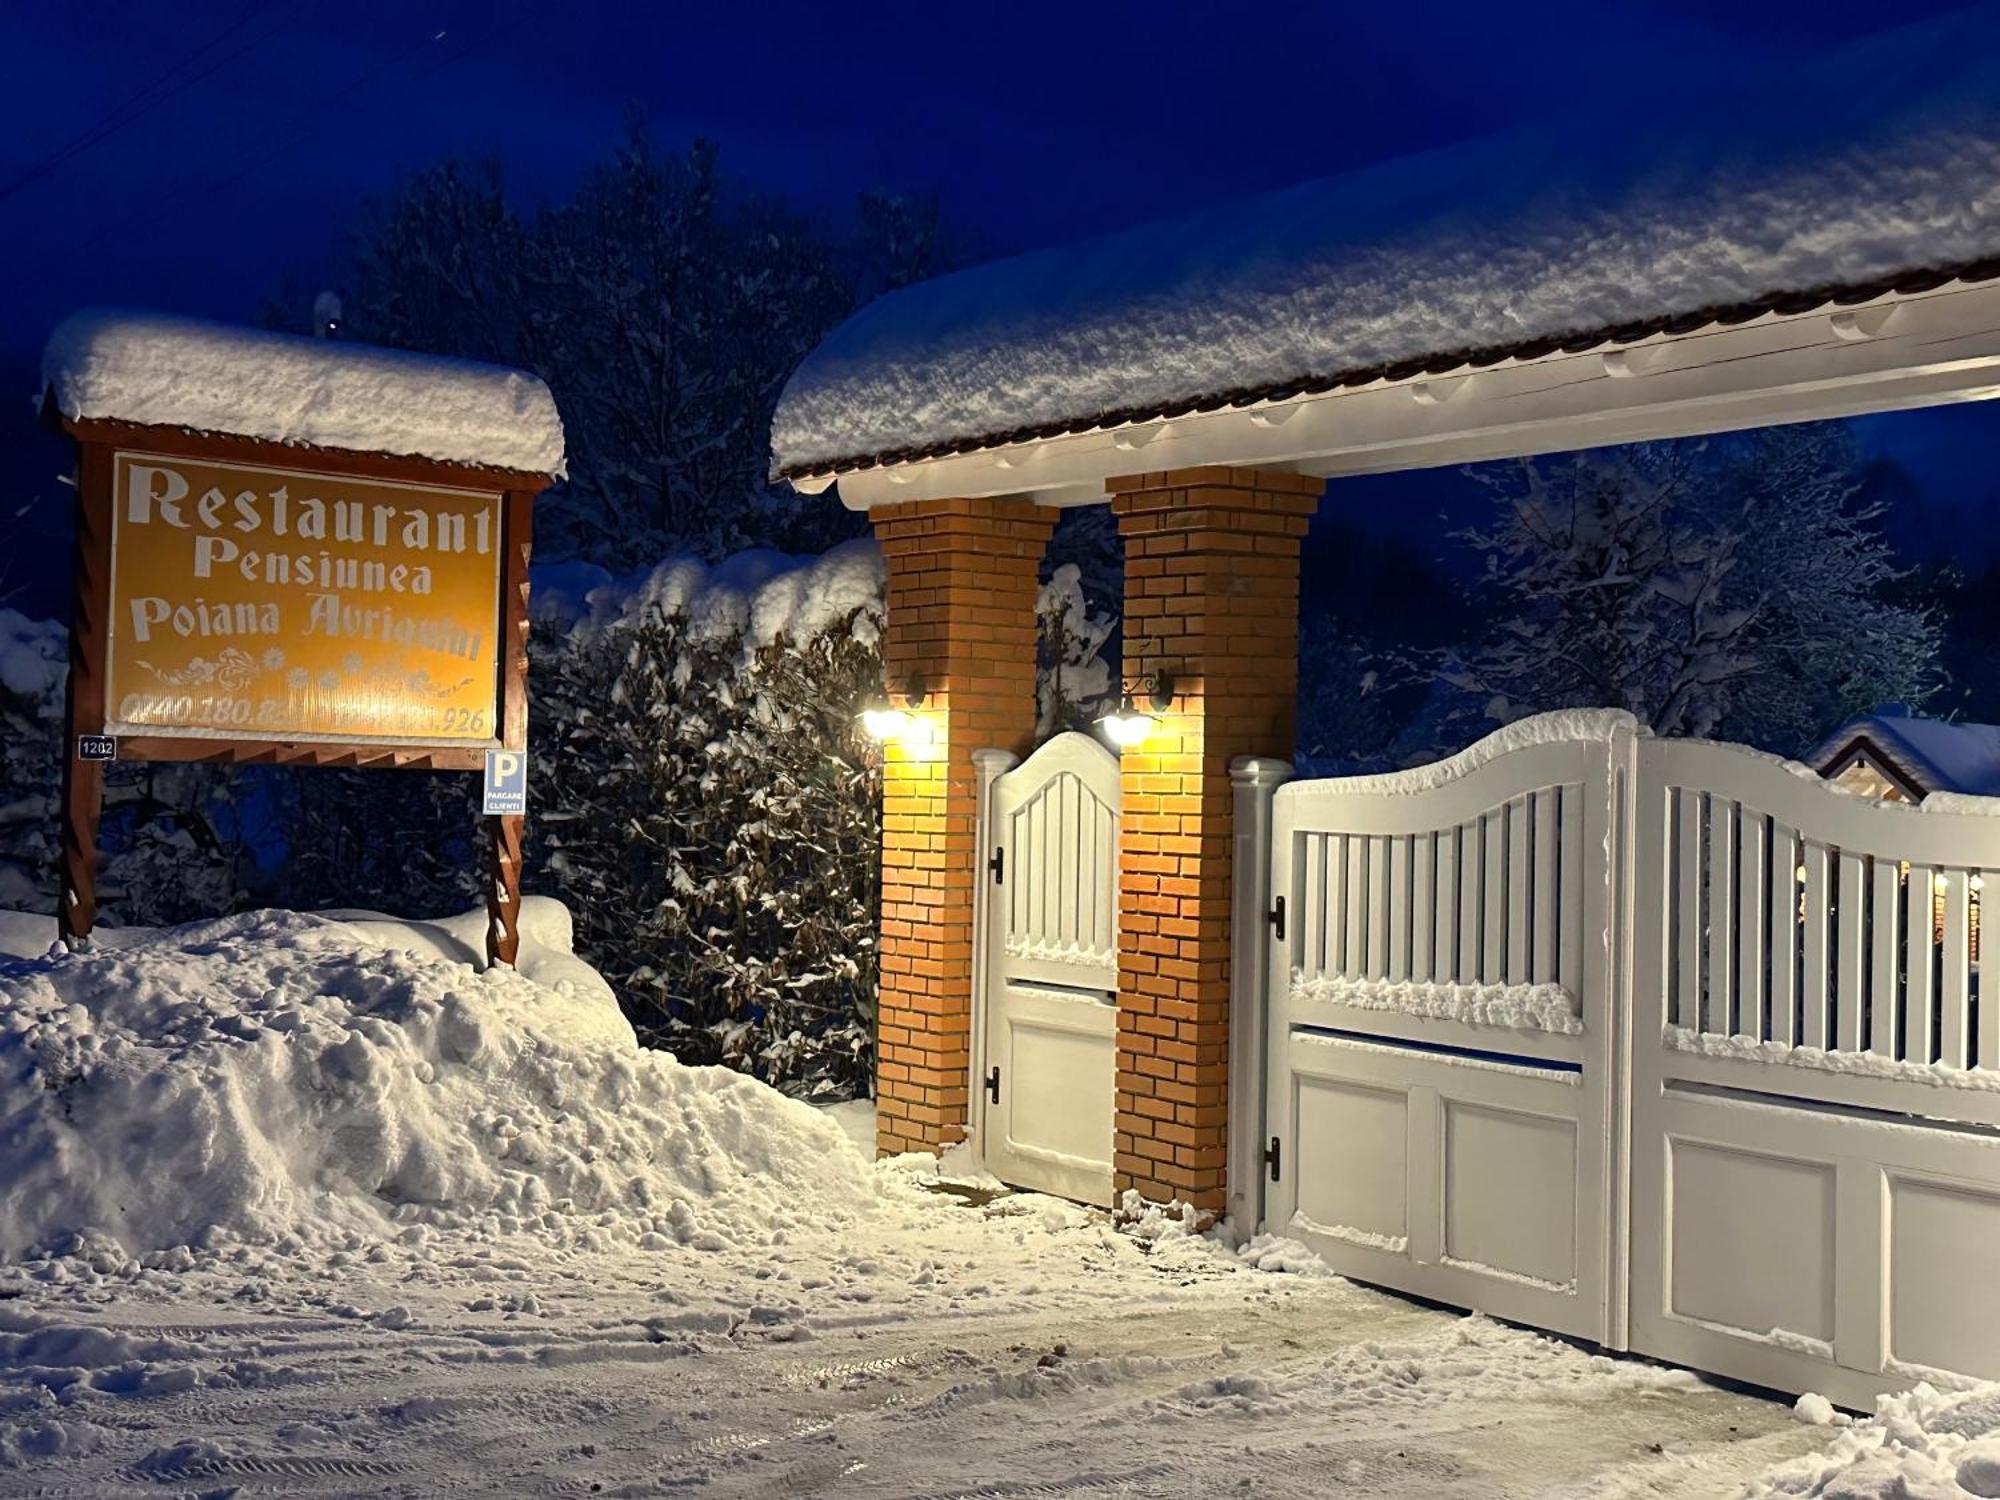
(1032, 123)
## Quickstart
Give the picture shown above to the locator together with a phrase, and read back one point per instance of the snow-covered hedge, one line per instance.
(705, 805)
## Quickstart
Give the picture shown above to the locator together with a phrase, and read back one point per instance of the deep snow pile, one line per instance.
(287, 1079)
(1923, 1444)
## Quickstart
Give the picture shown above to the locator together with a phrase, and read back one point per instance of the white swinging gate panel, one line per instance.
(1442, 1072)
(1045, 1048)
(1667, 1044)
(1816, 1126)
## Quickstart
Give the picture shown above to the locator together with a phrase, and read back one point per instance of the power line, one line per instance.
(149, 98)
(184, 198)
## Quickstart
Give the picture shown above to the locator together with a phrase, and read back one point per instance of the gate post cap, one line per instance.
(1259, 771)
(993, 762)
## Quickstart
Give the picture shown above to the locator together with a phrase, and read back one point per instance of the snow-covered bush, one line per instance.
(173, 840)
(34, 659)
(704, 803)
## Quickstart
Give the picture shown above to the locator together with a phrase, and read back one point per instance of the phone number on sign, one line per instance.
(209, 711)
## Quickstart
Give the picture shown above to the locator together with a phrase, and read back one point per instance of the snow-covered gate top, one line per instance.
(1874, 168)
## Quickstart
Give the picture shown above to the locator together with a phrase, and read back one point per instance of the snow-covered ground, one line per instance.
(297, 1205)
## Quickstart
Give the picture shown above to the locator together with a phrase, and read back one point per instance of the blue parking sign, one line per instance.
(506, 788)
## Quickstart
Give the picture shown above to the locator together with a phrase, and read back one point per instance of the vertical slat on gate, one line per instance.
(1313, 932)
(1423, 906)
(1355, 931)
(1091, 877)
(1919, 1036)
(1449, 911)
(1520, 889)
(1813, 1032)
(1851, 954)
(1398, 968)
(1784, 895)
(1493, 958)
(1336, 903)
(1071, 809)
(1471, 862)
(1543, 969)
(1687, 978)
(1886, 965)
(1380, 897)
(1721, 912)
(1022, 853)
(1989, 1003)
(1045, 851)
(1569, 936)
(1954, 986)
(1749, 1017)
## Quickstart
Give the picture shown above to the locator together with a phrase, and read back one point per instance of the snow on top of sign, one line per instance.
(165, 371)
(1880, 159)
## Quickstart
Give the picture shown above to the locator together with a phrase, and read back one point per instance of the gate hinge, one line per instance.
(993, 1084)
(1271, 1156)
(997, 864)
(1276, 917)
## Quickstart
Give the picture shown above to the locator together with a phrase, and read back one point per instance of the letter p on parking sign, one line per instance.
(506, 786)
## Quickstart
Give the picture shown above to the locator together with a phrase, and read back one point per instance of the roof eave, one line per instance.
(1932, 338)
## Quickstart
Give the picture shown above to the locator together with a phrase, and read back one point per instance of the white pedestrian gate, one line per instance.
(1045, 1046)
(1666, 1044)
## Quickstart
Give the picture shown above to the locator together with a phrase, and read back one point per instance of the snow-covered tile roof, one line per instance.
(1935, 755)
(164, 371)
(1874, 169)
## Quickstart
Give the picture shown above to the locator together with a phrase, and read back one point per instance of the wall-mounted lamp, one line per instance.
(1127, 725)
(883, 721)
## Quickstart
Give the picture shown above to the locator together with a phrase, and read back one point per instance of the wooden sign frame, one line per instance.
(87, 710)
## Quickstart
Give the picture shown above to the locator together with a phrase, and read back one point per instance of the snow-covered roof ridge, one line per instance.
(1874, 165)
(1938, 755)
(108, 364)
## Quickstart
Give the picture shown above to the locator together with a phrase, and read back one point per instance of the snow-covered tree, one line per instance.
(1736, 587)
(1073, 681)
(664, 303)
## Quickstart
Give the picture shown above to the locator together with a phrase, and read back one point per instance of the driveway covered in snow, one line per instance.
(1021, 1348)
(464, 1238)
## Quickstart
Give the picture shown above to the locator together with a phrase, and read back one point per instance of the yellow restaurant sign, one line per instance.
(259, 603)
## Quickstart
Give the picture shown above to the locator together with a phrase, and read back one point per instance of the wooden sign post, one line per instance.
(246, 601)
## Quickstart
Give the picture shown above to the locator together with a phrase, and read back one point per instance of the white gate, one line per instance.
(1816, 1121)
(1045, 1053)
(1442, 1073)
(1668, 1044)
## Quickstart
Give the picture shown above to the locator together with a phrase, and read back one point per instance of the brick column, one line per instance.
(1211, 596)
(962, 618)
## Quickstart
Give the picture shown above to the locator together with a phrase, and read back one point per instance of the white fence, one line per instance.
(1666, 1044)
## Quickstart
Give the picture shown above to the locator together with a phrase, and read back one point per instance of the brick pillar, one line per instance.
(1211, 596)
(961, 617)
